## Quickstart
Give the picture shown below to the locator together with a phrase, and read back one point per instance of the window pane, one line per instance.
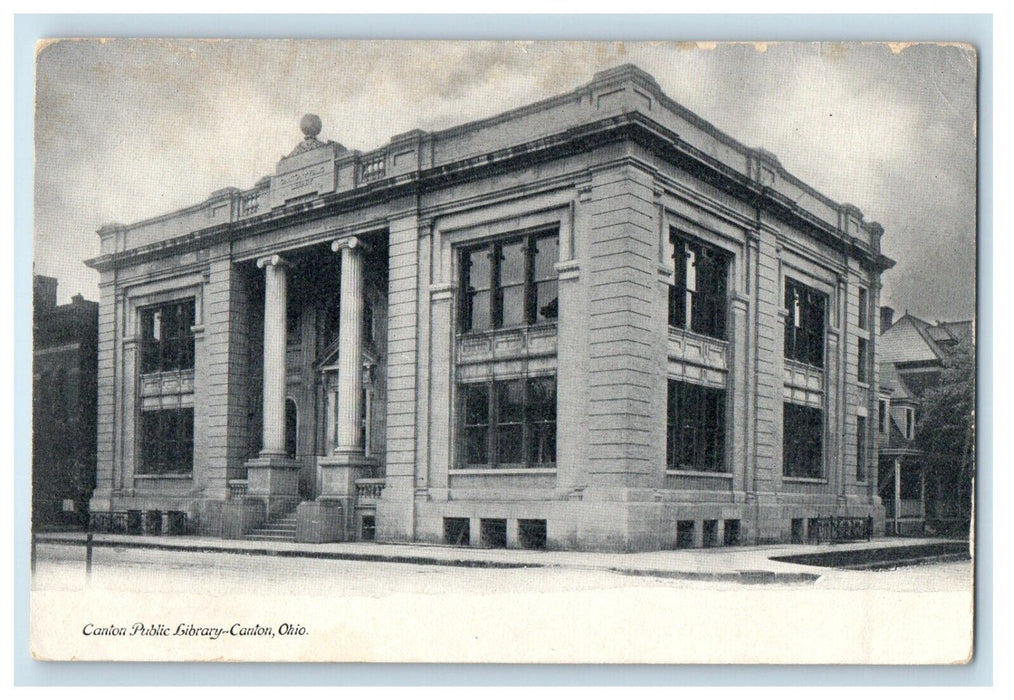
(512, 263)
(547, 253)
(677, 307)
(477, 445)
(149, 441)
(862, 359)
(187, 432)
(860, 448)
(509, 444)
(542, 399)
(479, 309)
(542, 443)
(670, 446)
(512, 306)
(170, 354)
(864, 302)
(691, 266)
(478, 268)
(476, 404)
(546, 301)
(510, 401)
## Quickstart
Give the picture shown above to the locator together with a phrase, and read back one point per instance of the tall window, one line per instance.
(291, 428)
(802, 440)
(882, 415)
(909, 424)
(167, 441)
(864, 309)
(508, 424)
(861, 448)
(167, 341)
(864, 360)
(697, 298)
(695, 428)
(509, 282)
(804, 324)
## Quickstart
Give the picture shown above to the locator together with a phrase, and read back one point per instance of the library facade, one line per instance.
(594, 322)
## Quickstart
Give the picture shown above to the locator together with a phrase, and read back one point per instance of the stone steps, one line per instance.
(281, 529)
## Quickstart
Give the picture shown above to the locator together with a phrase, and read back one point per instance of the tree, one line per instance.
(945, 435)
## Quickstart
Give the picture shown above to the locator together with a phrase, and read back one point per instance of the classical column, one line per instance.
(272, 478)
(350, 344)
(273, 444)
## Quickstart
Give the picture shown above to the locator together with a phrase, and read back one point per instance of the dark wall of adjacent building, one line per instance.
(65, 340)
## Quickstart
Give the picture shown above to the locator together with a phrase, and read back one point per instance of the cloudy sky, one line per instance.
(129, 129)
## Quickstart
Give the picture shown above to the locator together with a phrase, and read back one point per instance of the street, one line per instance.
(194, 606)
(141, 570)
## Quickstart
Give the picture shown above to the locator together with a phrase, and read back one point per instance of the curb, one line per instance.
(749, 576)
(297, 553)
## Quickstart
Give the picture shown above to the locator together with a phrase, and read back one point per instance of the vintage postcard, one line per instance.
(556, 352)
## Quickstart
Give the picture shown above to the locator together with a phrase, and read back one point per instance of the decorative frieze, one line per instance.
(690, 348)
(507, 344)
(167, 383)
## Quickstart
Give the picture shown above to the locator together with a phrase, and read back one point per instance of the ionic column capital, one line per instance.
(352, 243)
(273, 261)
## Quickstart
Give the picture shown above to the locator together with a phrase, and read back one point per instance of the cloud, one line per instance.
(128, 129)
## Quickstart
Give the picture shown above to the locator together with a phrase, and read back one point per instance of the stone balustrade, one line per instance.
(368, 491)
(373, 167)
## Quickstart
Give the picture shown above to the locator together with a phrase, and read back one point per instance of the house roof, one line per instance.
(912, 339)
(908, 340)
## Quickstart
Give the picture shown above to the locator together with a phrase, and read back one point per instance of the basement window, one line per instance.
(532, 534)
(456, 531)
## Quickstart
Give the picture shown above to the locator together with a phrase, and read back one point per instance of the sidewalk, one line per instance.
(742, 564)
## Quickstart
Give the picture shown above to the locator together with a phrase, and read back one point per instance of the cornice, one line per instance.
(632, 126)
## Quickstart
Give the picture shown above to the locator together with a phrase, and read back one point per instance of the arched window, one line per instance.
(291, 427)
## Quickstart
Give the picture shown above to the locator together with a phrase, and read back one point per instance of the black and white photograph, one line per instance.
(504, 351)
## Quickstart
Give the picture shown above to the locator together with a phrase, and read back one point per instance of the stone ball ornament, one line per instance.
(310, 125)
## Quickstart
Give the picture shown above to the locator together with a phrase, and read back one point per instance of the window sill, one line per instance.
(172, 477)
(506, 470)
(799, 364)
(508, 330)
(677, 331)
(803, 480)
(693, 473)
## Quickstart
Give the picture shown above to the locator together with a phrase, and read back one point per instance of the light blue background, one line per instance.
(974, 29)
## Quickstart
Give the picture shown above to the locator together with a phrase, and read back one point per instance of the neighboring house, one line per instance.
(913, 356)
(63, 406)
(594, 322)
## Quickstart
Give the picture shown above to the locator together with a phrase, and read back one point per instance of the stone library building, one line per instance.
(595, 322)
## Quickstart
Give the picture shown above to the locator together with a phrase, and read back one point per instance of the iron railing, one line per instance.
(840, 529)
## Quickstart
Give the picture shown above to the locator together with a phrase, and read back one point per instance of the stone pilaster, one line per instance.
(406, 398)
